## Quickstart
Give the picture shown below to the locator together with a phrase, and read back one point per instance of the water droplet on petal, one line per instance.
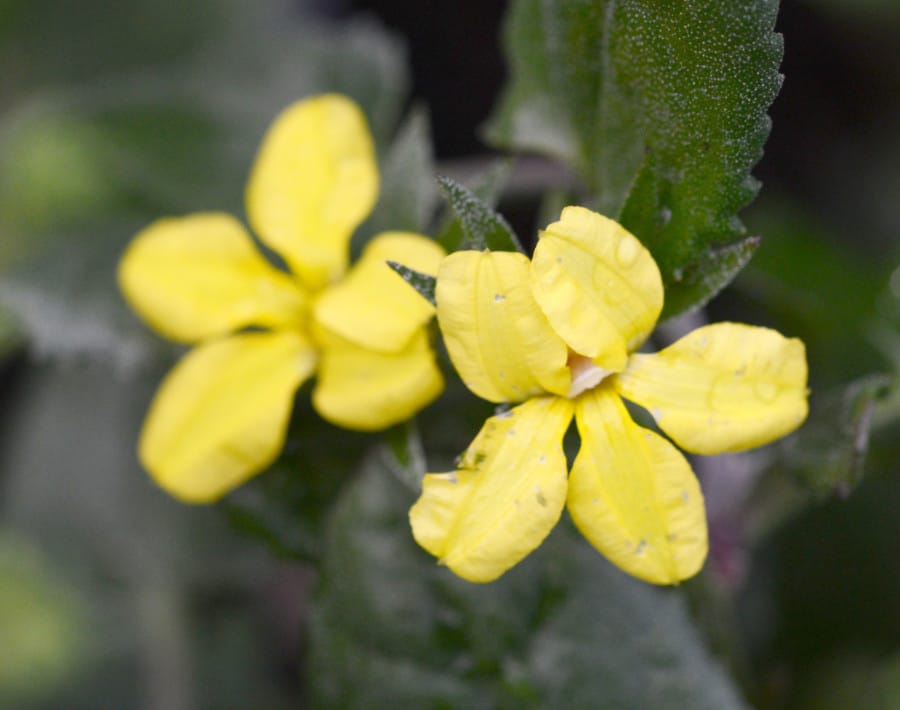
(627, 252)
(499, 297)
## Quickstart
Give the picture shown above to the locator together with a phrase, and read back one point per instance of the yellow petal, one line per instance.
(198, 276)
(373, 306)
(220, 415)
(367, 390)
(498, 339)
(598, 286)
(505, 498)
(314, 181)
(723, 387)
(633, 495)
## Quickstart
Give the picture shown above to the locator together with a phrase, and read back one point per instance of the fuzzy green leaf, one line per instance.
(563, 629)
(660, 107)
(424, 284)
(484, 228)
(487, 187)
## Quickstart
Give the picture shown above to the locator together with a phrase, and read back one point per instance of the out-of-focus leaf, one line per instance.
(563, 629)
(43, 625)
(10, 335)
(813, 287)
(404, 455)
(69, 309)
(155, 578)
(828, 454)
(51, 172)
(852, 681)
(660, 108)
(286, 506)
(825, 583)
(266, 62)
(54, 42)
(170, 139)
(408, 196)
(424, 284)
(850, 436)
(483, 227)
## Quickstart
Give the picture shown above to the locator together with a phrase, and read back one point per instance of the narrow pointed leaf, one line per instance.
(424, 284)
(484, 228)
(487, 187)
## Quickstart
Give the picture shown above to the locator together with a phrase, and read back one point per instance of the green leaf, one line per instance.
(404, 454)
(407, 196)
(45, 628)
(424, 284)
(828, 455)
(483, 227)
(287, 505)
(391, 628)
(487, 187)
(793, 277)
(661, 108)
(69, 309)
(702, 279)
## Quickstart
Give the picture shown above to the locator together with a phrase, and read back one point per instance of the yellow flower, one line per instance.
(221, 414)
(558, 335)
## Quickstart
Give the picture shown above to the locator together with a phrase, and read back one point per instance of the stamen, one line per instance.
(586, 374)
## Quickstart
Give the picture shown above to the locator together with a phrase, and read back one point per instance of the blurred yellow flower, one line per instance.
(221, 414)
(557, 335)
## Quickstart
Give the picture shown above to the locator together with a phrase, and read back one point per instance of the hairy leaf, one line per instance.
(487, 187)
(661, 107)
(562, 629)
(424, 284)
(483, 227)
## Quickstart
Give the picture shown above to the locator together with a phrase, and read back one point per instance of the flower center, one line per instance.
(586, 374)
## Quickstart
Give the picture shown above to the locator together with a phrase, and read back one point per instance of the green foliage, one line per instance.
(43, 624)
(563, 629)
(67, 304)
(407, 197)
(828, 455)
(287, 505)
(423, 284)
(482, 226)
(115, 116)
(811, 284)
(487, 187)
(404, 455)
(661, 108)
